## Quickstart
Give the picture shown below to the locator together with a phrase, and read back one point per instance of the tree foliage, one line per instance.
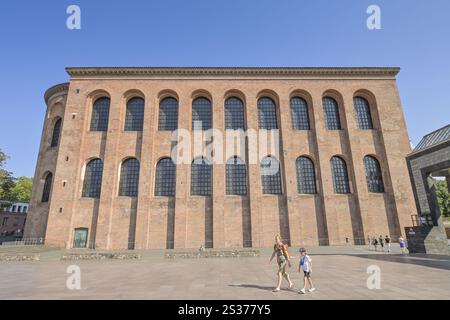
(443, 196)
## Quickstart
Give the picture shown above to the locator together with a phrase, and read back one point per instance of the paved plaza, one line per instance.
(339, 273)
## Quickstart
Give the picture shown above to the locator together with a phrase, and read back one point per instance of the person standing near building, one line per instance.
(387, 240)
(381, 240)
(369, 240)
(402, 243)
(375, 243)
(305, 265)
(283, 259)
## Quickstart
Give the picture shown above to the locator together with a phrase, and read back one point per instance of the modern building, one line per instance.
(327, 165)
(12, 220)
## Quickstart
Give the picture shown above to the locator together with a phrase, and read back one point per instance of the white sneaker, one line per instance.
(302, 291)
(276, 290)
(312, 290)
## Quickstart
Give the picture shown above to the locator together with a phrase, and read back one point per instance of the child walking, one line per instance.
(305, 265)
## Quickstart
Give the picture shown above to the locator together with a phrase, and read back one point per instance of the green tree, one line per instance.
(21, 192)
(6, 182)
(443, 196)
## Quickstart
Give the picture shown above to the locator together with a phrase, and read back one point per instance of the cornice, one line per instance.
(88, 72)
(58, 89)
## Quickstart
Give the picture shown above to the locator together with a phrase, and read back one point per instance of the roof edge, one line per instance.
(55, 90)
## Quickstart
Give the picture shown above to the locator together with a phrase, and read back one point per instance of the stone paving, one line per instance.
(339, 273)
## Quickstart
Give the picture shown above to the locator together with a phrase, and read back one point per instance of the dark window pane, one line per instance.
(56, 133)
(340, 176)
(166, 178)
(134, 120)
(267, 114)
(129, 178)
(168, 115)
(271, 176)
(100, 115)
(201, 178)
(234, 114)
(331, 110)
(92, 185)
(201, 114)
(47, 188)
(363, 113)
(373, 175)
(306, 176)
(299, 114)
(236, 173)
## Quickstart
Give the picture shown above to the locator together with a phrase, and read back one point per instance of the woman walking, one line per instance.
(283, 259)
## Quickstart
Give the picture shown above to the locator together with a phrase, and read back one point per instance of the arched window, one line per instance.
(56, 133)
(166, 178)
(373, 175)
(47, 187)
(134, 119)
(331, 110)
(100, 114)
(92, 184)
(129, 178)
(363, 113)
(340, 176)
(267, 114)
(201, 114)
(234, 114)
(299, 114)
(168, 115)
(236, 173)
(201, 177)
(271, 176)
(306, 176)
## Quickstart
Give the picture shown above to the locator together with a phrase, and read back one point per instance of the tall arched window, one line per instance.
(306, 176)
(340, 176)
(134, 119)
(47, 187)
(166, 178)
(299, 114)
(168, 115)
(331, 111)
(129, 178)
(271, 175)
(100, 114)
(373, 175)
(56, 133)
(234, 114)
(201, 114)
(363, 113)
(201, 177)
(267, 114)
(92, 184)
(236, 174)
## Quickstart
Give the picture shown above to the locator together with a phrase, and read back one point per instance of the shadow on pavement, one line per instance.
(265, 288)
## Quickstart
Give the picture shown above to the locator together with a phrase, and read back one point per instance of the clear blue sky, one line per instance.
(36, 46)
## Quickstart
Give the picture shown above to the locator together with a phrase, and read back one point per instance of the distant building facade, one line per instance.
(12, 220)
(107, 176)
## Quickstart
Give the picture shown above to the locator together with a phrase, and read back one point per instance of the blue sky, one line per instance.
(36, 46)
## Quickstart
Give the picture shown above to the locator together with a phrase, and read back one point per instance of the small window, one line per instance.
(332, 118)
(80, 238)
(100, 115)
(340, 176)
(363, 113)
(5, 221)
(267, 114)
(134, 119)
(271, 176)
(47, 187)
(168, 115)
(234, 114)
(236, 176)
(56, 133)
(299, 114)
(373, 175)
(201, 114)
(129, 178)
(201, 177)
(13, 209)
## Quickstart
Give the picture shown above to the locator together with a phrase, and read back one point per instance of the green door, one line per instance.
(80, 238)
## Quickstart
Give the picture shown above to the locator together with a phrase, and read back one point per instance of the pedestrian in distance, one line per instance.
(375, 243)
(402, 243)
(381, 240)
(387, 240)
(305, 265)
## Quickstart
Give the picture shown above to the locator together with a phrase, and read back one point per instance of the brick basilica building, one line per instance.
(106, 178)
